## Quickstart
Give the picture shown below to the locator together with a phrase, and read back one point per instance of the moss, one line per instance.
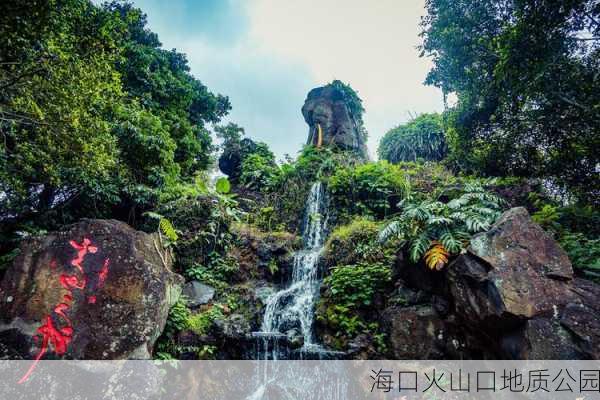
(201, 322)
(356, 242)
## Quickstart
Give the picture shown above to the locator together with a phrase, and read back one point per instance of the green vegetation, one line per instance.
(576, 229)
(356, 242)
(369, 189)
(97, 119)
(435, 229)
(347, 307)
(420, 139)
(526, 79)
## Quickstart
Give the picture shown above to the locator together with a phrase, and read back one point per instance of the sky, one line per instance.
(267, 54)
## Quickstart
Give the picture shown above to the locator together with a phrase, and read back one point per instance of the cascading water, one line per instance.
(292, 309)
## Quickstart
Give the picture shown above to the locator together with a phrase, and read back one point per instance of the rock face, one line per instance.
(96, 290)
(414, 332)
(198, 293)
(515, 286)
(513, 271)
(328, 116)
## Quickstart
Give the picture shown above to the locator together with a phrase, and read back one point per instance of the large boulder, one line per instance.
(414, 332)
(96, 290)
(514, 271)
(514, 285)
(325, 111)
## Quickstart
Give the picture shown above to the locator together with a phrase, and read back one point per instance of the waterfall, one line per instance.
(291, 310)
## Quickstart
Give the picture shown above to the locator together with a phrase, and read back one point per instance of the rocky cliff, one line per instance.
(332, 122)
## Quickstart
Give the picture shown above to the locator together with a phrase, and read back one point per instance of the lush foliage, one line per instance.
(420, 139)
(369, 189)
(96, 118)
(354, 286)
(357, 243)
(576, 227)
(435, 229)
(526, 78)
(346, 307)
(244, 160)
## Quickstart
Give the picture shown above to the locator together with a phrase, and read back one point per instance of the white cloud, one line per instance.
(267, 54)
(371, 45)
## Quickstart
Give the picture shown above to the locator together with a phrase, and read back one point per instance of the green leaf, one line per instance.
(222, 185)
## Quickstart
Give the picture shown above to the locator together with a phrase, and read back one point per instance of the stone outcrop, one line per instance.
(514, 285)
(330, 121)
(197, 293)
(96, 290)
(514, 271)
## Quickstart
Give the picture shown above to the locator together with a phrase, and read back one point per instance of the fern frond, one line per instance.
(391, 229)
(452, 241)
(419, 246)
(437, 256)
(439, 220)
(476, 223)
(418, 212)
(167, 228)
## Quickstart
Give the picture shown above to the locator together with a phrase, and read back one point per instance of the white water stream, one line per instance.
(293, 307)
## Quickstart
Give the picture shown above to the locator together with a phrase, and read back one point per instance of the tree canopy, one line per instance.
(526, 75)
(93, 112)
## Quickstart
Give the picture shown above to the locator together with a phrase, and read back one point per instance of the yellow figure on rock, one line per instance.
(319, 136)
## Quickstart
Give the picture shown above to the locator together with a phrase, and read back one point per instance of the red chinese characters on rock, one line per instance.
(53, 336)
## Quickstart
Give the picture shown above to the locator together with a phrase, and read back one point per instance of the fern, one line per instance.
(437, 230)
(452, 240)
(419, 246)
(437, 256)
(167, 228)
(390, 230)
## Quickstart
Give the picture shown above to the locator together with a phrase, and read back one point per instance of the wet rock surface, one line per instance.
(96, 290)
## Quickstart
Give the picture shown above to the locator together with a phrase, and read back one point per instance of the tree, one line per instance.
(239, 151)
(96, 118)
(526, 74)
(421, 138)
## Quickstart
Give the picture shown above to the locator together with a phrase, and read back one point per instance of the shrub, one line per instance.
(369, 189)
(346, 307)
(356, 242)
(354, 286)
(422, 138)
(203, 225)
(201, 322)
(584, 253)
(258, 172)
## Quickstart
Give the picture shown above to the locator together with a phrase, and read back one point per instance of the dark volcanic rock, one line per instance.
(582, 317)
(515, 286)
(267, 256)
(414, 332)
(96, 290)
(512, 272)
(198, 293)
(325, 109)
